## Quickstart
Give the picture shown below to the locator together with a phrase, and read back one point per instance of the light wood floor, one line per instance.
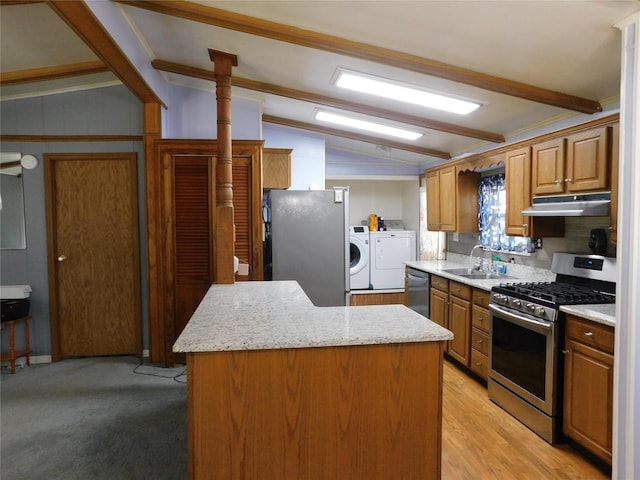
(482, 441)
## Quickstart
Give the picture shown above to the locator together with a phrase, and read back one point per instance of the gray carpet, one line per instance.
(93, 419)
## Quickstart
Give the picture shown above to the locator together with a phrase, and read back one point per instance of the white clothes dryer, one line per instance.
(389, 250)
(359, 257)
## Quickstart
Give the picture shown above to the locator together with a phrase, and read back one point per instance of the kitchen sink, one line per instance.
(476, 274)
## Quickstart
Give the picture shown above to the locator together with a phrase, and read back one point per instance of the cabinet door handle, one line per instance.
(558, 182)
(566, 352)
(568, 180)
(479, 341)
(588, 334)
(478, 364)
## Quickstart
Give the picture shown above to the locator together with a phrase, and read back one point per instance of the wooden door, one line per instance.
(588, 394)
(587, 161)
(518, 190)
(433, 201)
(93, 254)
(448, 199)
(460, 325)
(183, 233)
(547, 167)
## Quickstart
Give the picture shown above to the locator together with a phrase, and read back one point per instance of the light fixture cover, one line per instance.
(29, 162)
(404, 93)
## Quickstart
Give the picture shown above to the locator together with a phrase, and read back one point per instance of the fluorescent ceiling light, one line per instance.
(394, 91)
(364, 125)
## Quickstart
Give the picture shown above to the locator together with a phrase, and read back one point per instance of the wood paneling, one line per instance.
(368, 411)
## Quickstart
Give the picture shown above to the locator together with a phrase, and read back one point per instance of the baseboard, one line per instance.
(34, 359)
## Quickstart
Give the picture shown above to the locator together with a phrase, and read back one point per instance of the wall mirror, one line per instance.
(12, 223)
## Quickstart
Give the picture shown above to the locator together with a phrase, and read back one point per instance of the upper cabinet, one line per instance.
(576, 163)
(276, 167)
(518, 189)
(452, 200)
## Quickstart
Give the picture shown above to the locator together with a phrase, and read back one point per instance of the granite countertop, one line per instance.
(278, 314)
(515, 272)
(601, 313)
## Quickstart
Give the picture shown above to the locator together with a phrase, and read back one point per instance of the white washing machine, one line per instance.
(389, 250)
(359, 261)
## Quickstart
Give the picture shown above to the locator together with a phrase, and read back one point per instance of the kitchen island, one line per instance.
(280, 389)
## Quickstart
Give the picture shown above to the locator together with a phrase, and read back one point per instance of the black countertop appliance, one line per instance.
(598, 241)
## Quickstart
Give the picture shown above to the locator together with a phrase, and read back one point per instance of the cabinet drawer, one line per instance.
(480, 364)
(460, 290)
(481, 297)
(440, 283)
(480, 318)
(480, 341)
(590, 333)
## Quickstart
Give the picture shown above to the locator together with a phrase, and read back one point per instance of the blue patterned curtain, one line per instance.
(491, 218)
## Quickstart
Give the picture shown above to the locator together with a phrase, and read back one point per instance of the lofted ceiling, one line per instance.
(529, 63)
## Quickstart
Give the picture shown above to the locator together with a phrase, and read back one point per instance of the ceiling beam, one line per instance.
(307, 38)
(51, 73)
(84, 23)
(331, 102)
(355, 136)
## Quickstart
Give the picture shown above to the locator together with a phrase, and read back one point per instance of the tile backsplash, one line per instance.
(576, 240)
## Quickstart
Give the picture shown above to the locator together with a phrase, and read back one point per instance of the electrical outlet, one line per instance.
(537, 243)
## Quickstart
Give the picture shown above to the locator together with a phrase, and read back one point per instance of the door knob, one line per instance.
(62, 258)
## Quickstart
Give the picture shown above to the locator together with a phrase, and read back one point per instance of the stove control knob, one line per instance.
(540, 312)
(517, 303)
(531, 307)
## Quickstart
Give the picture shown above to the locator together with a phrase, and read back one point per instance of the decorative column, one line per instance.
(224, 226)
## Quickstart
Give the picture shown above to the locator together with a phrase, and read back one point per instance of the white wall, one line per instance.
(307, 158)
(390, 199)
(194, 114)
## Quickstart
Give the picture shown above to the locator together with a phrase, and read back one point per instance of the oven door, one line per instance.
(523, 356)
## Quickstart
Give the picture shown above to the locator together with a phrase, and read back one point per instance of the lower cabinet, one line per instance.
(439, 303)
(385, 298)
(460, 321)
(588, 385)
(480, 333)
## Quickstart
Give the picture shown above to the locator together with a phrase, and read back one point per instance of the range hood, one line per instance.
(584, 205)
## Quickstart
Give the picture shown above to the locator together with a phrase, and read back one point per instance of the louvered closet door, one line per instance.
(242, 201)
(193, 184)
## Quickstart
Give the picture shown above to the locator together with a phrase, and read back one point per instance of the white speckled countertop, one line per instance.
(274, 315)
(601, 313)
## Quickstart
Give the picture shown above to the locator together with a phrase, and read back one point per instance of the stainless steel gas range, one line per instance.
(527, 338)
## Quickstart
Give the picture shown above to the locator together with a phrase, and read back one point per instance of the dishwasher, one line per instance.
(418, 288)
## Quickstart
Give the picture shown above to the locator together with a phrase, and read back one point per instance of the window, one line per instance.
(492, 198)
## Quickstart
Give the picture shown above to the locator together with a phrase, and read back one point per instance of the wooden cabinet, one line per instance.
(276, 167)
(518, 191)
(439, 303)
(460, 321)
(450, 307)
(385, 298)
(576, 163)
(452, 200)
(588, 385)
(480, 333)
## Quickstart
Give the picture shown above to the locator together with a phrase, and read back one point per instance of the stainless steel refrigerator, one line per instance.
(310, 242)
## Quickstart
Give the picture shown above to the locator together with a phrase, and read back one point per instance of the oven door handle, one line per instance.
(525, 322)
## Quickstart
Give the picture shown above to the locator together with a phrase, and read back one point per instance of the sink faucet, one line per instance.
(478, 264)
